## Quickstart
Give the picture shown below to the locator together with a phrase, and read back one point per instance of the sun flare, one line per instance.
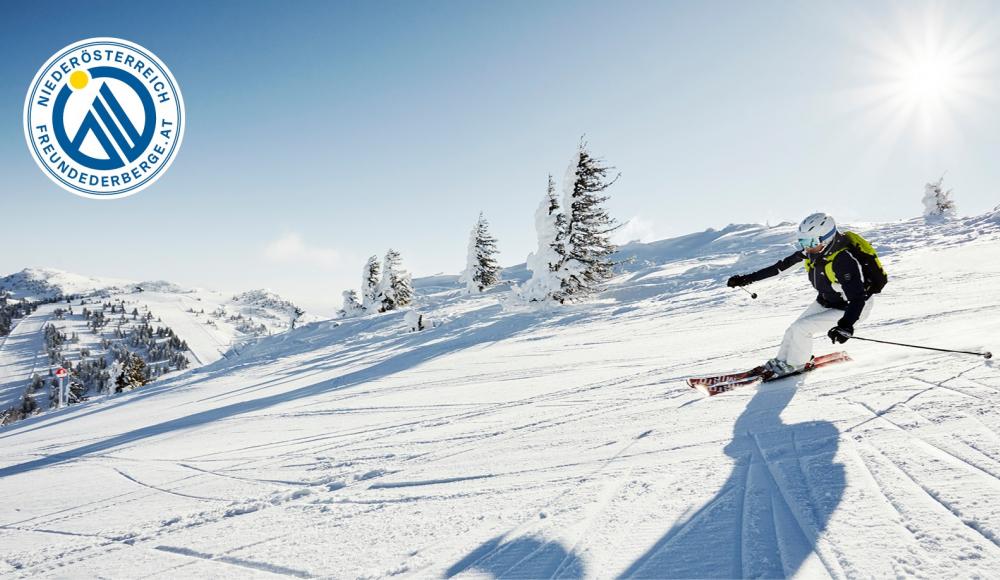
(926, 74)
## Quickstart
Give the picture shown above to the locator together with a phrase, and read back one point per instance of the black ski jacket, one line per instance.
(848, 294)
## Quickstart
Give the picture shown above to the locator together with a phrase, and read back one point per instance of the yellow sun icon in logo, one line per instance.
(79, 79)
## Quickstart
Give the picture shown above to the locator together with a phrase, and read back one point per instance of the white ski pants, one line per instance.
(797, 347)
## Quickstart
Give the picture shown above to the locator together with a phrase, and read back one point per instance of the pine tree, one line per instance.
(351, 306)
(550, 227)
(481, 269)
(134, 374)
(369, 285)
(938, 204)
(586, 263)
(395, 290)
(28, 404)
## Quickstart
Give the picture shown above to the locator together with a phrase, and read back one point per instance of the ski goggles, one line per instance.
(815, 242)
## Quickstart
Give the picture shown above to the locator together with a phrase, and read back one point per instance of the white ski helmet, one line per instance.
(816, 232)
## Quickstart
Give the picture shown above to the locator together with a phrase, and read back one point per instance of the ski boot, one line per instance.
(776, 367)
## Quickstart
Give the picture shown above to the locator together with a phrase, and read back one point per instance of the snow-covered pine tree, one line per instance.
(134, 374)
(351, 306)
(550, 227)
(369, 285)
(481, 267)
(938, 204)
(588, 248)
(114, 374)
(395, 290)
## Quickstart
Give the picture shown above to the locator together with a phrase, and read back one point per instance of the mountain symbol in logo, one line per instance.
(117, 129)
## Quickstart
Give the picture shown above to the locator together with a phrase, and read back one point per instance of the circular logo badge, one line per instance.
(104, 118)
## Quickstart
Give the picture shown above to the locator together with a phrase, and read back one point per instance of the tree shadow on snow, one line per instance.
(765, 520)
(525, 557)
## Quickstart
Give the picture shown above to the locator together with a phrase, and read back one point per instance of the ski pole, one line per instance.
(752, 294)
(986, 354)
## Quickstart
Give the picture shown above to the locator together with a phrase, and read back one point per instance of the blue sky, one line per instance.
(320, 133)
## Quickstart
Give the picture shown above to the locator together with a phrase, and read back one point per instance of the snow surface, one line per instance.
(554, 443)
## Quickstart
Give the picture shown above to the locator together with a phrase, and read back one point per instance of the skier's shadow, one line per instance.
(766, 518)
(524, 557)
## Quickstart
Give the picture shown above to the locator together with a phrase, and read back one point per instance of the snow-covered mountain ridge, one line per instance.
(552, 443)
(47, 283)
(96, 318)
(36, 284)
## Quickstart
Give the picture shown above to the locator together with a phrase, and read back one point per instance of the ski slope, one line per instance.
(22, 353)
(551, 444)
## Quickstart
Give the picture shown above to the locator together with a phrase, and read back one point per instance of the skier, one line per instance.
(845, 271)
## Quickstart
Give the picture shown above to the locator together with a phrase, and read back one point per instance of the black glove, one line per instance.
(738, 280)
(841, 333)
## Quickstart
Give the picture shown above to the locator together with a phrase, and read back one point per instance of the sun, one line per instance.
(926, 72)
(929, 76)
(929, 79)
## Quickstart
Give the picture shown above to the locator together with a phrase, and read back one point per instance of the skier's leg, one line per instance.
(791, 333)
(796, 348)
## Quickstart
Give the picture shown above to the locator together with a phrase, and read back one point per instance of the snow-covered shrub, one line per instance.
(938, 204)
(351, 307)
(416, 321)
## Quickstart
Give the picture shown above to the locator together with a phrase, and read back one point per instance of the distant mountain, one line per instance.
(269, 305)
(45, 283)
(253, 312)
(106, 316)
(163, 286)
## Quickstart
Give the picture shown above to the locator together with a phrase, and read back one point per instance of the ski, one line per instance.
(711, 386)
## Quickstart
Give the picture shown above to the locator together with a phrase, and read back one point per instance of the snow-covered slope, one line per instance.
(211, 323)
(276, 313)
(47, 283)
(264, 306)
(558, 443)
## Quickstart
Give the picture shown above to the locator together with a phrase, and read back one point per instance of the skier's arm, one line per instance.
(778, 267)
(848, 273)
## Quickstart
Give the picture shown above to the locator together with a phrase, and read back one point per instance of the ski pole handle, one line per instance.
(985, 354)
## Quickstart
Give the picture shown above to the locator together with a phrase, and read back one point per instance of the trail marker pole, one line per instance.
(61, 375)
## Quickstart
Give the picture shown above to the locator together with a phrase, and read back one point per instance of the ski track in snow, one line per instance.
(20, 352)
(551, 444)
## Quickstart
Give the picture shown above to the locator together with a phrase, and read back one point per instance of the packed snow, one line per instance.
(555, 442)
